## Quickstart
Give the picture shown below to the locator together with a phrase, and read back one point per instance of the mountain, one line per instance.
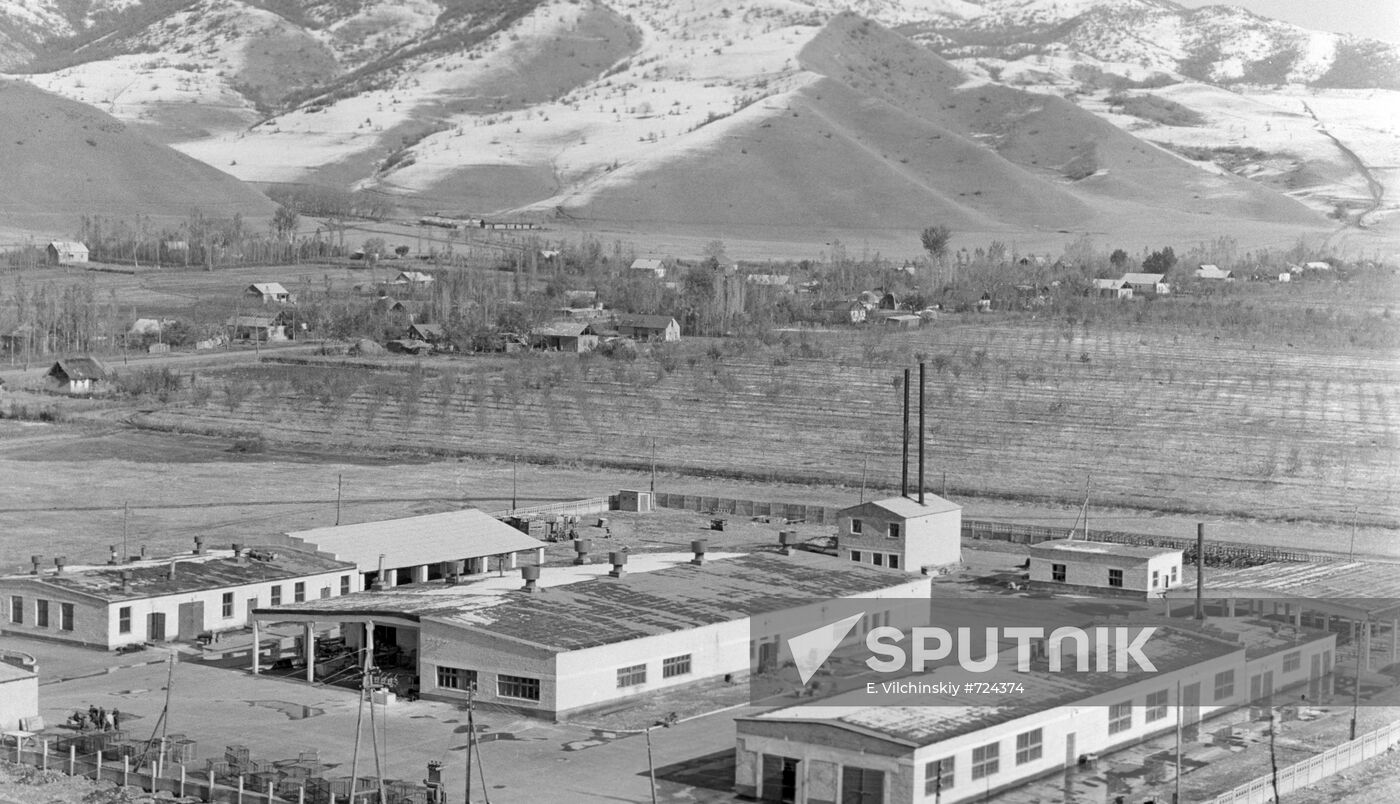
(60, 159)
(995, 115)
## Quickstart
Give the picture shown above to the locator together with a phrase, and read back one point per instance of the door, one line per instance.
(191, 623)
(1190, 710)
(779, 779)
(155, 626)
(767, 656)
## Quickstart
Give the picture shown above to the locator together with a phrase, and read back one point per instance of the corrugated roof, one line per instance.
(911, 509)
(647, 264)
(645, 321)
(1109, 284)
(1361, 585)
(419, 540)
(79, 368)
(68, 246)
(1103, 548)
(1143, 279)
(213, 570)
(563, 329)
(602, 610)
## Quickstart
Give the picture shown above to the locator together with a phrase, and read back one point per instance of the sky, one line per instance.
(1375, 19)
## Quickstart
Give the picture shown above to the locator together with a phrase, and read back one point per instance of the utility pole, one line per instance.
(1176, 796)
(126, 514)
(339, 483)
(513, 461)
(1351, 553)
(471, 738)
(653, 466)
(1356, 680)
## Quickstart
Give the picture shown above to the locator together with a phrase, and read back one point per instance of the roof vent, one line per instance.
(237, 550)
(58, 563)
(531, 575)
(199, 545)
(786, 538)
(698, 548)
(618, 558)
(581, 548)
(111, 554)
(126, 581)
(36, 561)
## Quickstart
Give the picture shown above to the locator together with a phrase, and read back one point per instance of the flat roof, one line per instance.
(909, 507)
(937, 717)
(1365, 586)
(1104, 548)
(657, 595)
(9, 672)
(193, 573)
(418, 540)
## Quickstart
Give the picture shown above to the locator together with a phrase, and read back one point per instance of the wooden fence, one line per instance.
(1313, 770)
(788, 512)
(1216, 551)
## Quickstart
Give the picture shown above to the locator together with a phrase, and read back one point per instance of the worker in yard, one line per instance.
(100, 722)
(116, 719)
(92, 716)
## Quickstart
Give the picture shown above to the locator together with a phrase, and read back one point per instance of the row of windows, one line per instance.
(878, 559)
(1058, 573)
(521, 688)
(893, 531)
(636, 675)
(41, 613)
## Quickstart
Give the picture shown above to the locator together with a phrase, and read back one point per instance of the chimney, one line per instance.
(36, 561)
(618, 560)
(531, 574)
(143, 552)
(921, 434)
(581, 547)
(58, 563)
(698, 548)
(199, 545)
(237, 550)
(786, 539)
(111, 554)
(126, 581)
(1200, 570)
(904, 463)
(380, 579)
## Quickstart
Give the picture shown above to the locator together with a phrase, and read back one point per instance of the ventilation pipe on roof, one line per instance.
(531, 574)
(921, 434)
(379, 578)
(36, 561)
(199, 545)
(581, 548)
(618, 560)
(58, 563)
(698, 548)
(237, 550)
(786, 539)
(112, 554)
(126, 581)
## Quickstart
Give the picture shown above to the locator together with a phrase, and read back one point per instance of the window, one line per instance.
(986, 760)
(1174, 576)
(894, 531)
(1120, 717)
(856, 526)
(1224, 684)
(894, 561)
(1057, 573)
(938, 776)
(16, 609)
(1292, 661)
(65, 616)
(862, 786)
(519, 687)
(1115, 578)
(1155, 576)
(228, 605)
(855, 555)
(299, 592)
(124, 620)
(1156, 706)
(276, 595)
(41, 613)
(1028, 747)
(878, 558)
(675, 666)
(631, 676)
(455, 678)
(345, 584)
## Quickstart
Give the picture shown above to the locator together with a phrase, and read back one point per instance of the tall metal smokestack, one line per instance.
(1200, 570)
(904, 465)
(921, 434)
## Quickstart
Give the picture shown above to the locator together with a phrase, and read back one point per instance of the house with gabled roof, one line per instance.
(1150, 284)
(431, 333)
(268, 293)
(256, 328)
(77, 375)
(651, 265)
(413, 278)
(649, 327)
(1112, 288)
(66, 252)
(901, 533)
(565, 336)
(1208, 271)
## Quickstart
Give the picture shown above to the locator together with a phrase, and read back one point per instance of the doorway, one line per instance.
(779, 779)
(155, 626)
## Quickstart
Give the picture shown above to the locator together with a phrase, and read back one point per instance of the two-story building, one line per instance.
(1127, 569)
(901, 533)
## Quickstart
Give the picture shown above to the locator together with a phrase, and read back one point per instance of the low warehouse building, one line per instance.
(952, 749)
(901, 533)
(583, 640)
(19, 696)
(1080, 565)
(176, 598)
(424, 548)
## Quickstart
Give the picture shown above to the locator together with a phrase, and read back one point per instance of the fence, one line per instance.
(591, 505)
(790, 512)
(1313, 770)
(1217, 551)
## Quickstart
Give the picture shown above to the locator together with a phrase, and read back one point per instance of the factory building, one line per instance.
(1070, 565)
(901, 534)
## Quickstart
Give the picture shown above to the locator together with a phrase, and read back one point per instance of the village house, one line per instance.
(1103, 567)
(171, 598)
(586, 638)
(903, 320)
(649, 265)
(66, 252)
(1147, 284)
(414, 278)
(78, 375)
(649, 327)
(841, 312)
(256, 328)
(268, 293)
(428, 333)
(1209, 271)
(901, 533)
(779, 282)
(1112, 289)
(565, 336)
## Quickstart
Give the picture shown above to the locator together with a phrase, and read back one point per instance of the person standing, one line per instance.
(101, 720)
(116, 719)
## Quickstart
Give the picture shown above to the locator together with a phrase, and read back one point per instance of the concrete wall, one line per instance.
(89, 614)
(927, 541)
(1091, 570)
(444, 645)
(19, 698)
